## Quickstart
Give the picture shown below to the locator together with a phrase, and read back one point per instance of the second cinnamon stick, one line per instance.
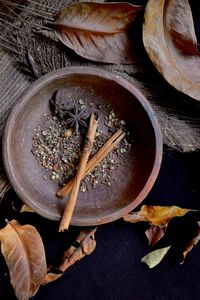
(95, 160)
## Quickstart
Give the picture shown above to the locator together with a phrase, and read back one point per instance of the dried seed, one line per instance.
(81, 102)
(68, 133)
(44, 133)
(113, 114)
(83, 188)
(54, 168)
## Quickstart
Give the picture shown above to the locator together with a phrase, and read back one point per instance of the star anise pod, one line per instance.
(76, 118)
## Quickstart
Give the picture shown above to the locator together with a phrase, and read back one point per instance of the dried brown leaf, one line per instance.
(26, 208)
(171, 44)
(23, 250)
(50, 277)
(192, 243)
(155, 233)
(156, 215)
(161, 215)
(85, 244)
(98, 31)
(134, 217)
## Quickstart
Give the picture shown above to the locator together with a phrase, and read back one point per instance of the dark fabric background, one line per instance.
(114, 270)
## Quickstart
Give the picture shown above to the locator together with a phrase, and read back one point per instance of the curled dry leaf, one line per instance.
(155, 233)
(134, 217)
(192, 243)
(85, 244)
(156, 215)
(161, 215)
(98, 31)
(26, 208)
(171, 44)
(153, 258)
(50, 277)
(23, 250)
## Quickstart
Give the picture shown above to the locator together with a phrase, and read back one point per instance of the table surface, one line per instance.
(114, 269)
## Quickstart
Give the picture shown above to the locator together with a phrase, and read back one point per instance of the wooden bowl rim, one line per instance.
(40, 83)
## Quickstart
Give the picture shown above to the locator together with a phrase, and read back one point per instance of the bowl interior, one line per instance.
(101, 204)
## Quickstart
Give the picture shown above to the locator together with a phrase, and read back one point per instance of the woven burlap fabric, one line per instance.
(12, 84)
(29, 49)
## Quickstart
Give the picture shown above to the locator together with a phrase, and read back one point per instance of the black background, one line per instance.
(114, 270)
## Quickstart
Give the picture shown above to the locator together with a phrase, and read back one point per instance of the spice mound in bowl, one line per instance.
(44, 139)
(58, 139)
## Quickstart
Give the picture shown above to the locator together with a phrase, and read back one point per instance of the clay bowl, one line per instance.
(103, 203)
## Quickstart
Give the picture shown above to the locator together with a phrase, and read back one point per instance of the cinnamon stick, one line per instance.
(67, 215)
(95, 160)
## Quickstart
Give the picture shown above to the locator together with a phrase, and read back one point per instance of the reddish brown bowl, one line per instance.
(102, 204)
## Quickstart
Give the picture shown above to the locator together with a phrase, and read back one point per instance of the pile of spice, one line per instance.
(58, 140)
